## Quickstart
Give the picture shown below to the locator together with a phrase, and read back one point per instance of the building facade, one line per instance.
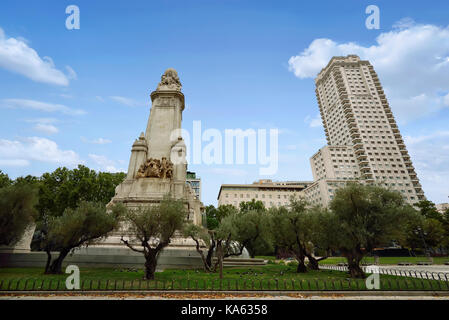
(195, 183)
(442, 207)
(364, 141)
(272, 194)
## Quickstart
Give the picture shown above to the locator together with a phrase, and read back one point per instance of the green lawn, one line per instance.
(269, 277)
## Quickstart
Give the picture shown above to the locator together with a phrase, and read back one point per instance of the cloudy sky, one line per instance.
(82, 96)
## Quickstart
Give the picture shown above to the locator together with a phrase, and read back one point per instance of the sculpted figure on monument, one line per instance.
(169, 81)
(166, 168)
(155, 168)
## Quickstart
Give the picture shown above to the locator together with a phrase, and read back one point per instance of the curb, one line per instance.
(266, 293)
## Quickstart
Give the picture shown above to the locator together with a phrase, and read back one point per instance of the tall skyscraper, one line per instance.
(364, 142)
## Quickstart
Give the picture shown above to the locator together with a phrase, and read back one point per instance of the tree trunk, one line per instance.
(313, 263)
(355, 271)
(150, 265)
(301, 265)
(56, 265)
(47, 265)
(220, 257)
(210, 254)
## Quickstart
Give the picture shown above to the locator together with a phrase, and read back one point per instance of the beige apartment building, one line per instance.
(272, 194)
(364, 141)
(442, 207)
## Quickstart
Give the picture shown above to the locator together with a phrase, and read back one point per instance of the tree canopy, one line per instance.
(88, 222)
(366, 217)
(17, 211)
(152, 227)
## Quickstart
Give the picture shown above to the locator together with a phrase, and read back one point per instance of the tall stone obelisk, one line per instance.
(158, 166)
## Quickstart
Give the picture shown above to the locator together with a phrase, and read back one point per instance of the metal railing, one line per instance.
(391, 283)
(428, 275)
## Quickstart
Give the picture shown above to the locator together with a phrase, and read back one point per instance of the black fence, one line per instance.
(386, 284)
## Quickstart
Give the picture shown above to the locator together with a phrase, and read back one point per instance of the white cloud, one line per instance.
(104, 163)
(14, 163)
(126, 101)
(412, 62)
(71, 74)
(16, 56)
(37, 149)
(404, 23)
(42, 120)
(99, 98)
(46, 128)
(96, 141)
(446, 100)
(430, 156)
(313, 122)
(41, 106)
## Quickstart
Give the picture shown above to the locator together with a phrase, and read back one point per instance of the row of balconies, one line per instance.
(364, 162)
(361, 157)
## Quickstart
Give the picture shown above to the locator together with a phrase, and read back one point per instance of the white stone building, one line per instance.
(442, 207)
(272, 194)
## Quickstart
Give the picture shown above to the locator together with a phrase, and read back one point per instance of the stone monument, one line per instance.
(158, 165)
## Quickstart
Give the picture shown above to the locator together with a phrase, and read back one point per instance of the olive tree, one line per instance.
(203, 238)
(366, 217)
(74, 228)
(213, 236)
(17, 211)
(289, 229)
(151, 229)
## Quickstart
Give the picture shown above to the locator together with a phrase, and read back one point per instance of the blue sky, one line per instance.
(82, 96)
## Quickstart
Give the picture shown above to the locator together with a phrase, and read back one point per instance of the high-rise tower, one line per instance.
(364, 142)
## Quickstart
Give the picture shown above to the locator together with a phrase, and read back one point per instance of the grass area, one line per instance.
(269, 277)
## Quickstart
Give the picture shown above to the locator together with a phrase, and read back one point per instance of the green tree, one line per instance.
(5, 181)
(198, 234)
(225, 210)
(253, 205)
(17, 211)
(288, 230)
(211, 217)
(151, 229)
(83, 225)
(366, 217)
(64, 188)
(428, 210)
(323, 235)
(226, 239)
(252, 230)
(210, 236)
(28, 180)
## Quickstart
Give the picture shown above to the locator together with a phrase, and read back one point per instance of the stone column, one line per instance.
(138, 156)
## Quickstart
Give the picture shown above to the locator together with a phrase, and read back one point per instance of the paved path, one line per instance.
(220, 296)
